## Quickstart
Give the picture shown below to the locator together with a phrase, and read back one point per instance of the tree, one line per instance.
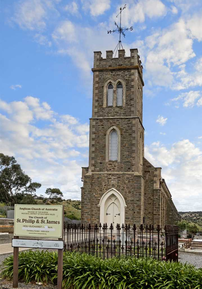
(15, 185)
(55, 195)
(182, 225)
(25, 198)
(192, 228)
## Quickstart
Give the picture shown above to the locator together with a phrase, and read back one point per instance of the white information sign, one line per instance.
(40, 221)
(42, 244)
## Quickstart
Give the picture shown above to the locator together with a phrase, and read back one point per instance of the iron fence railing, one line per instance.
(171, 236)
(109, 241)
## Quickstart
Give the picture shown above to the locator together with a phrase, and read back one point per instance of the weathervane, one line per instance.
(120, 30)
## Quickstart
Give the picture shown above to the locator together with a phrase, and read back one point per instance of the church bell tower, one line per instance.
(113, 185)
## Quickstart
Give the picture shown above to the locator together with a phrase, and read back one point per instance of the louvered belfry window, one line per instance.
(119, 94)
(110, 95)
(113, 145)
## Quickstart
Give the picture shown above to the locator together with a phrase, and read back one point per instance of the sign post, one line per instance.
(35, 224)
(15, 266)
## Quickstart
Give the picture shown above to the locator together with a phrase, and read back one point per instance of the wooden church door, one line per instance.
(112, 211)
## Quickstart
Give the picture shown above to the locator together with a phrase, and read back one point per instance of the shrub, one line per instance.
(84, 271)
(39, 266)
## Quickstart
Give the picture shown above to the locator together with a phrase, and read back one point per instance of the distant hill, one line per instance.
(195, 217)
(72, 209)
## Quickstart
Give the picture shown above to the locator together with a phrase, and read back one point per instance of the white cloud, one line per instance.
(137, 12)
(195, 25)
(168, 49)
(31, 14)
(96, 7)
(161, 120)
(182, 170)
(69, 119)
(80, 48)
(79, 57)
(185, 5)
(82, 129)
(72, 8)
(174, 10)
(199, 102)
(4, 106)
(42, 112)
(191, 79)
(50, 151)
(34, 14)
(189, 98)
(65, 32)
(42, 39)
(15, 86)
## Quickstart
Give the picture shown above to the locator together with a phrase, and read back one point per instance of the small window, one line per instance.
(110, 95)
(113, 145)
(119, 94)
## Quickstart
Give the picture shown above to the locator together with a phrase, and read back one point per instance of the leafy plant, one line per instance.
(36, 266)
(85, 271)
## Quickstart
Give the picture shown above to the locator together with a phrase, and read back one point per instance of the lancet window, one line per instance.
(119, 95)
(113, 145)
(110, 95)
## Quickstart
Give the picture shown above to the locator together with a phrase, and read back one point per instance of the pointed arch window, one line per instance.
(119, 94)
(113, 145)
(110, 94)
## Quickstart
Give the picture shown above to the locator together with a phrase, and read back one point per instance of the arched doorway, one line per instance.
(112, 208)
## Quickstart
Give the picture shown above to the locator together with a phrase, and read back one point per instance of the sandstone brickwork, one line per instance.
(146, 195)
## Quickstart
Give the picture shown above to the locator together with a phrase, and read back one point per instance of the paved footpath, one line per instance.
(193, 258)
(7, 249)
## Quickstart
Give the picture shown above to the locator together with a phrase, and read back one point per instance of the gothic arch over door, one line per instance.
(112, 208)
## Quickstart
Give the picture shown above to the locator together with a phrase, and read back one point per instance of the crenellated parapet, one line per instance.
(116, 63)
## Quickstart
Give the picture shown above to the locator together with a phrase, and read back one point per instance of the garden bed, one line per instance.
(85, 271)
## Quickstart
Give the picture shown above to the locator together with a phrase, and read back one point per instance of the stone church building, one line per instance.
(120, 185)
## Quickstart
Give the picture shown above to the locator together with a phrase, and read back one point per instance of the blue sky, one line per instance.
(46, 56)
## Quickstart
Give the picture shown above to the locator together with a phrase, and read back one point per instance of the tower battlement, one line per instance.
(121, 61)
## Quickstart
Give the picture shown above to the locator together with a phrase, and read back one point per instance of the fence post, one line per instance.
(158, 231)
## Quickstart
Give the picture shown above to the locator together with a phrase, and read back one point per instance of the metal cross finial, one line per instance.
(120, 30)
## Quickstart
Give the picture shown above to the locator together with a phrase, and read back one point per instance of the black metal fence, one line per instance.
(171, 235)
(107, 242)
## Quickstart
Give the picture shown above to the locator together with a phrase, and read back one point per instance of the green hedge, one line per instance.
(84, 271)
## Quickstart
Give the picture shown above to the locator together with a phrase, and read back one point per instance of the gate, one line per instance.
(171, 234)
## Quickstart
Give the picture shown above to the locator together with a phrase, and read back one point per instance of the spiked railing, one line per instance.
(109, 241)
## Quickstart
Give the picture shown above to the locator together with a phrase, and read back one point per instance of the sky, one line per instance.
(46, 56)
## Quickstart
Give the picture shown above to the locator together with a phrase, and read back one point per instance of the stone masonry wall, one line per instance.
(148, 174)
(158, 204)
(95, 185)
(129, 146)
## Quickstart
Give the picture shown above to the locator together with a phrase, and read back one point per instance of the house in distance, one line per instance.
(120, 186)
